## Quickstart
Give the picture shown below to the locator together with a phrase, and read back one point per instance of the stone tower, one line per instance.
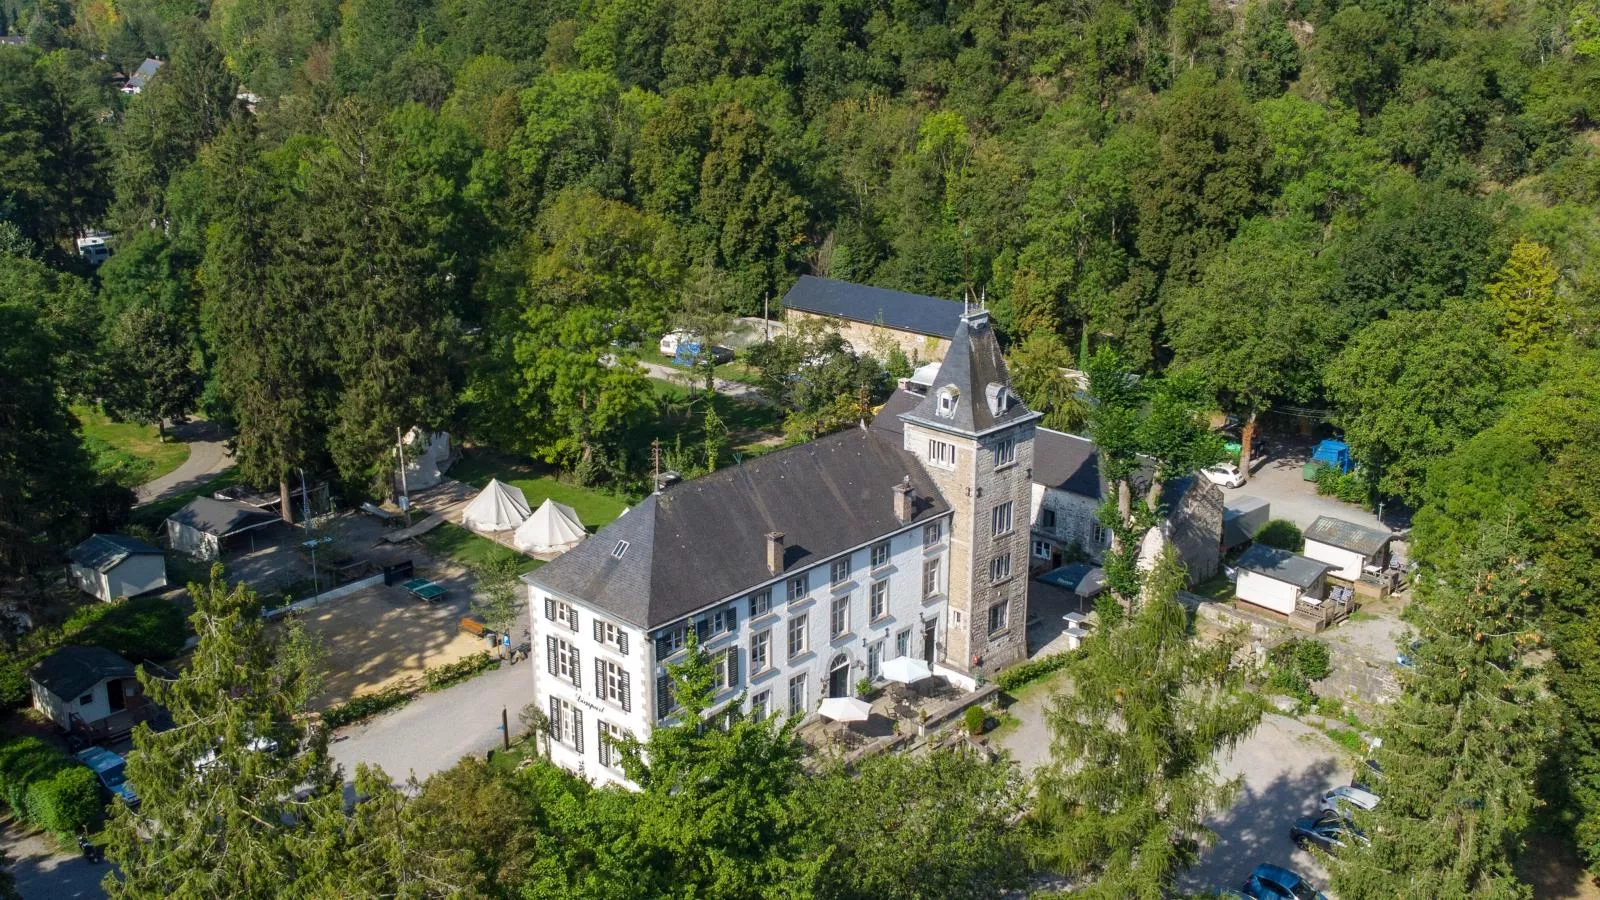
(975, 437)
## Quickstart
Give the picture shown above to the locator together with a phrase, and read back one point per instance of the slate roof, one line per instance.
(887, 421)
(11, 40)
(703, 540)
(142, 75)
(70, 671)
(104, 552)
(221, 517)
(899, 310)
(1067, 462)
(1347, 535)
(976, 370)
(1281, 565)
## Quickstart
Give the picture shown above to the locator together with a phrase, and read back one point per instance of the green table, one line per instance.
(424, 589)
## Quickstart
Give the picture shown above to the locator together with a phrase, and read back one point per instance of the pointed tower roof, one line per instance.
(972, 393)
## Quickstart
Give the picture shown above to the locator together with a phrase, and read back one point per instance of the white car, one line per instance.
(1225, 474)
(1342, 800)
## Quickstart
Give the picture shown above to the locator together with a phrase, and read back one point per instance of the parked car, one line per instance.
(110, 769)
(1224, 474)
(1343, 800)
(1404, 658)
(1327, 832)
(1270, 882)
(256, 745)
(1369, 773)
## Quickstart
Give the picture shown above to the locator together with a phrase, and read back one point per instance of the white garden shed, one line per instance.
(112, 566)
(1278, 580)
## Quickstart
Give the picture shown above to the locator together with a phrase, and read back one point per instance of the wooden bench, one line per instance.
(473, 627)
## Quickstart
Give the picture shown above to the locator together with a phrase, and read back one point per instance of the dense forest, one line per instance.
(333, 220)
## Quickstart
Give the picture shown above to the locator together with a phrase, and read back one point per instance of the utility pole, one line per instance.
(405, 492)
(505, 730)
(311, 541)
(766, 317)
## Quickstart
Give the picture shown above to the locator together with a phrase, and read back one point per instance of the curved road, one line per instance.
(208, 458)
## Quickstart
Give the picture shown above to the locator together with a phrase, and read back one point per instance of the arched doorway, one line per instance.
(839, 677)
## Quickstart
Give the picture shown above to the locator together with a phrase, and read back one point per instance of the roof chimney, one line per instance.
(904, 500)
(775, 552)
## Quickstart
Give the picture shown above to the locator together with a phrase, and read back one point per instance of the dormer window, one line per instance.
(948, 398)
(999, 398)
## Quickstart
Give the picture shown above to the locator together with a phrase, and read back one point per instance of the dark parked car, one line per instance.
(1269, 882)
(1327, 832)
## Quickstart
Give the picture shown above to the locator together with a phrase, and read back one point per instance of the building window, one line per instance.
(998, 616)
(566, 723)
(799, 586)
(760, 602)
(725, 667)
(797, 695)
(618, 551)
(671, 641)
(1041, 549)
(608, 736)
(880, 599)
(611, 683)
(948, 398)
(1000, 568)
(561, 659)
(564, 613)
(761, 651)
(611, 635)
(930, 534)
(761, 705)
(930, 578)
(1097, 533)
(880, 554)
(725, 620)
(798, 643)
(902, 643)
(1047, 518)
(86, 699)
(840, 615)
(941, 453)
(1005, 452)
(839, 572)
(874, 660)
(666, 701)
(1000, 519)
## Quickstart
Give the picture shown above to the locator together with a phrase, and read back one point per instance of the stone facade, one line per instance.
(866, 337)
(1067, 526)
(1195, 529)
(974, 486)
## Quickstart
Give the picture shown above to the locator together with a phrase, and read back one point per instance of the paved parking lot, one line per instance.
(1286, 767)
(1278, 481)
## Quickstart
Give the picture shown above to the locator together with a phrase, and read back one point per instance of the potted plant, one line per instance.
(975, 720)
(863, 687)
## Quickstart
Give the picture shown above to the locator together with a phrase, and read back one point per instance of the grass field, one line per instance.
(132, 454)
(595, 508)
(154, 514)
(471, 550)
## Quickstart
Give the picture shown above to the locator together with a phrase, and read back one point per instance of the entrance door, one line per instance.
(114, 695)
(839, 678)
(927, 642)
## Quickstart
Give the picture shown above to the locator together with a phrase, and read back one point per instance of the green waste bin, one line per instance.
(1309, 473)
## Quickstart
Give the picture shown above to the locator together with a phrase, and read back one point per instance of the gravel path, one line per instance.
(724, 386)
(42, 872)
(208, 458)
(433, 732)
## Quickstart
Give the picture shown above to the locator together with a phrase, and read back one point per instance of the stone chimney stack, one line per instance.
(775, 552)
(904, 500)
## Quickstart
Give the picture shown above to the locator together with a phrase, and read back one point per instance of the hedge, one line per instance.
(47, 788)
(358, 708)
(66, 804)
(1031, 671)
(1282, 534)
(440, 677)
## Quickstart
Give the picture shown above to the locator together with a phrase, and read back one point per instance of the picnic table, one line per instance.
(423, 589)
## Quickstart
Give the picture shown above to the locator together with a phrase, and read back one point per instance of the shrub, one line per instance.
(66, 803)
(364, 706)
(141, 628)
(1017, 676)
(439, 677)
(1312, 660)
(975, 718)
(1282, 534)
(863, 687)
(24, 762)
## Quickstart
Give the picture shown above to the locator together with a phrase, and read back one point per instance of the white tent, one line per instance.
(498, 507)
(553, 528)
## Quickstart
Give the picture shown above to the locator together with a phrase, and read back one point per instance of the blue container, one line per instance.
(1333, 453)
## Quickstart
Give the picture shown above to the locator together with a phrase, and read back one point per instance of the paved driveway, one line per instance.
(433, 732)
(208, 457)
(1278, 481)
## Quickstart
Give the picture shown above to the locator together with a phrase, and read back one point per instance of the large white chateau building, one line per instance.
(804, 570)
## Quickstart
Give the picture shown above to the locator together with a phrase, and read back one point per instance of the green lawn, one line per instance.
(471, 550)
(595, 508)
(132, 454)
(1217, 588)
(686, 414)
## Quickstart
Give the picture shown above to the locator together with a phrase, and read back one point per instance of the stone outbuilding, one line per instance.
(919, 325)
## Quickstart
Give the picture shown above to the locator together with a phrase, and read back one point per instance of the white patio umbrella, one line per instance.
(845, 709)
(905, 670)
